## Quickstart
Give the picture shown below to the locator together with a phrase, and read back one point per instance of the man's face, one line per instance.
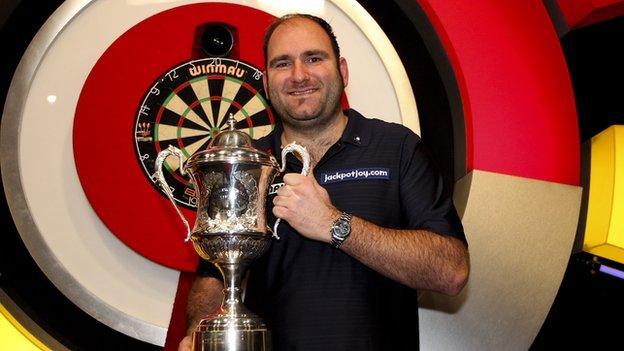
(303, 80)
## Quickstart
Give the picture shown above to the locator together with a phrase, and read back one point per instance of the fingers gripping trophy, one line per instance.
(231, 180)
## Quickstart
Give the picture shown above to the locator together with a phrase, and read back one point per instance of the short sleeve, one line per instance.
(426, 202)
(207, 269)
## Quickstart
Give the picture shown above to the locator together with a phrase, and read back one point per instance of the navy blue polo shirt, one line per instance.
(315, 297)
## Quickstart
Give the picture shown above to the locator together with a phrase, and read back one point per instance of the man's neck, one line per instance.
(316, 140)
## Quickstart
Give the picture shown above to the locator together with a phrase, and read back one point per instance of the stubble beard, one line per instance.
(327, 110)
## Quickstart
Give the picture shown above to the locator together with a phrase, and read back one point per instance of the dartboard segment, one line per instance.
(202, 91)
(259, 132)
(230, 90)
(189, 105)
(167, 132)
(191, 139)
(194, 146)
(215, 84)
(187, 94)
(251, 111)
(175, 104)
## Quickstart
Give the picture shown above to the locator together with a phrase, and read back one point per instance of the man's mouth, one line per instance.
(301, 92)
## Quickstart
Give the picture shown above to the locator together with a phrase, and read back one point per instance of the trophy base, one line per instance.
(242, 333)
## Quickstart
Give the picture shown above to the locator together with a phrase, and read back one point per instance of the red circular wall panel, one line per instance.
(516, 93)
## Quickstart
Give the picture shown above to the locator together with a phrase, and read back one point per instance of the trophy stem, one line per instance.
(232, 278)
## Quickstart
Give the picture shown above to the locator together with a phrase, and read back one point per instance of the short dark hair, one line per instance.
(321, 22)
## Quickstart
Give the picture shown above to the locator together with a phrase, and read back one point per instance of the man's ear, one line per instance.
(265, 84)
(344, 70)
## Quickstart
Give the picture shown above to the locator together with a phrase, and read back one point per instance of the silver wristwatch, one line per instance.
(340, 229)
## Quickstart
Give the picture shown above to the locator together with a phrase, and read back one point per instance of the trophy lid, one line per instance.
(232, 146)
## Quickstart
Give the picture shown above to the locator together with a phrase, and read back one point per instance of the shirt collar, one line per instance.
(354, 133)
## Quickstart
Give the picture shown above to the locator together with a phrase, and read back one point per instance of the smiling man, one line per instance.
(304, 77)
(370, 225)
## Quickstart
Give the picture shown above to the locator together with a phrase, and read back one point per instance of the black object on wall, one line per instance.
(595, 59)
(589, 304)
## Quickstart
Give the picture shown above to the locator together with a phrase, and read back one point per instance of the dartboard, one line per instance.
(188, 106)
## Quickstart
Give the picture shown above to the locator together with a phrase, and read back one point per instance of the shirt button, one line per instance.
(357, 140)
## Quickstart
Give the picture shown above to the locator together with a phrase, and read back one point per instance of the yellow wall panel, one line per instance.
(14, 337)
(604, 229)
(600, 189)
(616, 229)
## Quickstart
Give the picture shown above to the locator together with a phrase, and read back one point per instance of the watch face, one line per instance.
(341, 229)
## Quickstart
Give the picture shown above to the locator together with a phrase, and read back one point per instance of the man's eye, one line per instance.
(281, 64)
(315, 59)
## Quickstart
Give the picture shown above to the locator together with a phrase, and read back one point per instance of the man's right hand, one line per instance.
(204, 297)
(185, 344)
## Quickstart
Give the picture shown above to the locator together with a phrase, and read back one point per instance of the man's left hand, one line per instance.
(306, 206)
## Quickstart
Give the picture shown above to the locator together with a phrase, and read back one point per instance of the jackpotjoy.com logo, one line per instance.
(354, 174)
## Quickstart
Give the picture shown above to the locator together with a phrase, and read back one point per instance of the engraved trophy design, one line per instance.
(231, 180)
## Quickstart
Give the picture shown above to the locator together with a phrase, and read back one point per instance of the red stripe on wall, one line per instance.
(516, 92)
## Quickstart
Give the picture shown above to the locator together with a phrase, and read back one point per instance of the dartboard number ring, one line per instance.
(188, 106)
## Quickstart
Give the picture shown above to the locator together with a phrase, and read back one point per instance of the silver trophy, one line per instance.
(231, 180)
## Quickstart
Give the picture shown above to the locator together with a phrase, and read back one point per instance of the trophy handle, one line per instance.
(302, 151)
(160, 179)
(305, 158)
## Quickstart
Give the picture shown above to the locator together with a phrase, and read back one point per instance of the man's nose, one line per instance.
(299, 71)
